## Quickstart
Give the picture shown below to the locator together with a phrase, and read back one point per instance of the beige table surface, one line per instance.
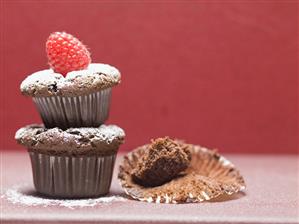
(271, 197)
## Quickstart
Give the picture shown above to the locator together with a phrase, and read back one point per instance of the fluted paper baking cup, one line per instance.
(89, 110)
(72, 177)
(208, 176)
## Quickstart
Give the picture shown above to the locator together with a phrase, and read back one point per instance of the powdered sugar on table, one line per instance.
(17, 195)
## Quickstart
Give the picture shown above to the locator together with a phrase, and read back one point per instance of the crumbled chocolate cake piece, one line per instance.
(162, 161)
(208, 176)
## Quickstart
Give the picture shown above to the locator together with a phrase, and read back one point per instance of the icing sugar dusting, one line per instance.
(16, 196)
(95, 68)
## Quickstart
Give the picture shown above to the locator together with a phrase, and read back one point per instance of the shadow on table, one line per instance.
(226, 197)
(221, 198)
(33, 193)
(120, 194)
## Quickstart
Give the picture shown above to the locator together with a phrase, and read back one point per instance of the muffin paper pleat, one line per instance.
(64, 112)
(72, 177)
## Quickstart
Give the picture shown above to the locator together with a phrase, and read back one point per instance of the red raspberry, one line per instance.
(66, 53)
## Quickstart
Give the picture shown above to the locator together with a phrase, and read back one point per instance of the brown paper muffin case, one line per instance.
(89, 110)
(72, 177)
(208, 176)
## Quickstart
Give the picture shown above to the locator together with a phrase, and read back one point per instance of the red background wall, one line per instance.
(221, 74)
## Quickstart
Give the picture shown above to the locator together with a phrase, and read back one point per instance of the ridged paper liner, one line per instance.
(64, 112)
(72, 177)
(209, 176)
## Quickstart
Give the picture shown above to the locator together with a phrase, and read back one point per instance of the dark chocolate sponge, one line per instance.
(162, 161)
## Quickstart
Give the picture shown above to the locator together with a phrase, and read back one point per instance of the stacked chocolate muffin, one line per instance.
(73, 153)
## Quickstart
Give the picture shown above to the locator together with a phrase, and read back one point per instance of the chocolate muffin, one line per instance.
(163, 160)
(80, 99)
(74, 163)
(74, 92)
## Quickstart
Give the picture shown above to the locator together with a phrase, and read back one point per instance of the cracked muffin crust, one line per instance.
(104, 140)
(162, 161)
(94, 78)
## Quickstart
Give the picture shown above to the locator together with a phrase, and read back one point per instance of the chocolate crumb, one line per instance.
(53, 87)
(163, 160)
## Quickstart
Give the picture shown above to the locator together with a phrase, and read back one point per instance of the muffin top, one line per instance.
(104, 140)
(92, 79)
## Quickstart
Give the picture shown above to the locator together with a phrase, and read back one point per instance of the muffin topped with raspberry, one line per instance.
(74, 92)
(71, 72)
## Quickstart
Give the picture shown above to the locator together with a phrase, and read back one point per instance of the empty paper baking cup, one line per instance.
(89, 110)
(71, 177)
(208, 176)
